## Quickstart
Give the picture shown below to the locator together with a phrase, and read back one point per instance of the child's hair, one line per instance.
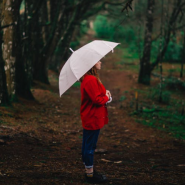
(93, 71)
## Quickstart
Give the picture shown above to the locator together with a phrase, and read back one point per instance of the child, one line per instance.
(94, 116)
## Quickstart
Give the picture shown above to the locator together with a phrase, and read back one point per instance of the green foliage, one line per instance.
(122, 98)
(104, 28)
(14, 98)
(134, 48)
(173, 52)
(84, 27)
(166, 120)
(74, 44)
(174, 83)
(155, 49)
(155, 93)
(82, 30)
(70, 2)
(111, 30)
(128, 34)
(171, 71)
(77, 84)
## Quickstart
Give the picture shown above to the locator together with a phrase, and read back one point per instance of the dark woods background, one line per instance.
(35, 35)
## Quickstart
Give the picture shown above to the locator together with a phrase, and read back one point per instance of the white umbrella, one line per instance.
(81, 61)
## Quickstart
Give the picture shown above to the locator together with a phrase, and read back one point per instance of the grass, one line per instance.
(166, 121)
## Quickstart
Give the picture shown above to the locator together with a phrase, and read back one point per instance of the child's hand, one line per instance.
(108, 93)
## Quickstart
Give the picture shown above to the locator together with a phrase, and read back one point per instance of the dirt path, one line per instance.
(42, 139)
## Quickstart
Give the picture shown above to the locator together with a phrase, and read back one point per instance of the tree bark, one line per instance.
(4, 98)
(37, 43)
(50, 45)
(9, 45)
(22, 75)
(183, 57)
(144, 73)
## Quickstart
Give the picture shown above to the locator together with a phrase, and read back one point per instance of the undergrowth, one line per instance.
(167, 116)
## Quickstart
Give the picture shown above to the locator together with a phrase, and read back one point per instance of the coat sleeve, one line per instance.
(91, 87)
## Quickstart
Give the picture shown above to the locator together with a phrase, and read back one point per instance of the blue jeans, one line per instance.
(90, 138)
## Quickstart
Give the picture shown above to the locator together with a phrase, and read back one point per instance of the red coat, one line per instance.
(93, 109)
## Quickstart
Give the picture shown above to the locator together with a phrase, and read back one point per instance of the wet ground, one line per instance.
(40, 141)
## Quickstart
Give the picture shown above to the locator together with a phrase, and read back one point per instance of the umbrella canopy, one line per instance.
(81, 61)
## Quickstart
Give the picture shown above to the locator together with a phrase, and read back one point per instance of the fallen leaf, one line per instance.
(105, 160)
(101, 151)
(181, 165)
(117, 162)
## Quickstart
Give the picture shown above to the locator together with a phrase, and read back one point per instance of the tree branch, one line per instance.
(174, 16)
(127, 5)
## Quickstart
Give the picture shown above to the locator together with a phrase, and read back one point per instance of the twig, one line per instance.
(127, 5)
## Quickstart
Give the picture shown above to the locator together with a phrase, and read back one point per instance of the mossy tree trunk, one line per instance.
(4, 98)
(9, 45)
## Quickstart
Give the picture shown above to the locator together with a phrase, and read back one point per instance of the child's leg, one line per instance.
(83, 147)
(90, 138)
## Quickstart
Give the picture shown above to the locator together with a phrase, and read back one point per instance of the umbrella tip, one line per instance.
(71, 50)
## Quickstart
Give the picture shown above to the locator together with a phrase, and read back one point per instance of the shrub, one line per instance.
(154, 95)
(104, 28)
(108, 29)
(173, 52)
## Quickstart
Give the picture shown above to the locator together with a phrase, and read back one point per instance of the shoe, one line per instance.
(96, 179)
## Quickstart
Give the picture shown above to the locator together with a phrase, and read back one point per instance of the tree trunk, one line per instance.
(9, 45)
(41, 67)
(48, 46)
(183, 57)
(4, 99)
(23, 83)
(144, 73)
(39, 72)
(160, 64)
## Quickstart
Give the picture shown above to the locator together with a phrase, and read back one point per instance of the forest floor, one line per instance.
(40, 141)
